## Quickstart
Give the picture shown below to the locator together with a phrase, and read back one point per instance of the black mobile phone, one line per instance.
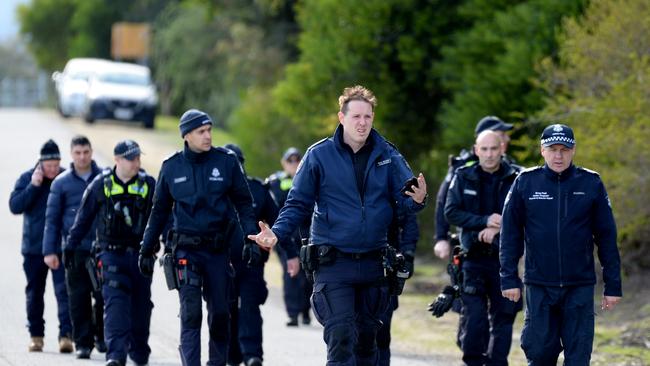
(409, 184)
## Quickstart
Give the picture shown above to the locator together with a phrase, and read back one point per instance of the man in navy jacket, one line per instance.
(62, 205)
(29, 198)
(474, 204)
(350, 182)
(557, 213)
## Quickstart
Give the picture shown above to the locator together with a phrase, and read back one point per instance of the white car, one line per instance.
(121, 91)
(71, 84)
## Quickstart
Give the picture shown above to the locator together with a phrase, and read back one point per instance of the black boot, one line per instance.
(83, 353)
(254, 361)
(293, 321)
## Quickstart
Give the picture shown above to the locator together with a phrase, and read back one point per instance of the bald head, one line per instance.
(489, 148)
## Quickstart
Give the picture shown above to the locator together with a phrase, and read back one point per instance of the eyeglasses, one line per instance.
(293, 160)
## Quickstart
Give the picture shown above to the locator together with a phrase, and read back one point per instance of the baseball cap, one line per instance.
(127, 149)
(492, 123)
(558, 134)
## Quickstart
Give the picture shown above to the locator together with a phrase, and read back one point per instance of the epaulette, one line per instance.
(531, 169)
(107, 171)
(589, 171)
(462, 168)
(172, 155)
(317, 143)
(223, 150)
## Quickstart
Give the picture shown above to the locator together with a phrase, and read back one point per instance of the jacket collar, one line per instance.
(505, 170)
(94, 170)
(559, 176)
(194, 157)
(374, 139)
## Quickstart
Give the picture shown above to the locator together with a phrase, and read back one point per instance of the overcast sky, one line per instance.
(8, 21)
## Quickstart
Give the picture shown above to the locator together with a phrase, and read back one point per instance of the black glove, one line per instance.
(251, 254)
(74, 258)
(409, 264)
(146, 261)
(444, 301)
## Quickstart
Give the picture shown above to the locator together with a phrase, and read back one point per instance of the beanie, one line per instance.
(193, 119)
(50, 151)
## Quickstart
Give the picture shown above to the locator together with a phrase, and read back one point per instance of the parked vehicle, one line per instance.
(71, 84)
(121, 91)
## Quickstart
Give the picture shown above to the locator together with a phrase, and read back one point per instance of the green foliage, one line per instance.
(490, 65)
(46, 23)
(57, 30)
(207, 55)
(599, 87)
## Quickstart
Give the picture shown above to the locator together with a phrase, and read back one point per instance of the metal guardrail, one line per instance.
(25, 91)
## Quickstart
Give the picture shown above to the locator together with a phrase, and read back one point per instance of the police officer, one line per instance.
(297, 289)
(29, 198)
(555, 214)
(403, 234)
(121, 199)
(250, 289)
(200, 185)
(465, 158)
(474, 202)
(62, 205)
(350, 182)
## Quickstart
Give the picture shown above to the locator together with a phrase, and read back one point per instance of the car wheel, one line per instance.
(149, 122)
(89, 118)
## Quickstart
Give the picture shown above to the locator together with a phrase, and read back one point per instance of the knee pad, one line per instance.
(191, 311)
(339, 343)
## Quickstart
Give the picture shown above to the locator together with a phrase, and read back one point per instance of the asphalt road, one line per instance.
(22, 132)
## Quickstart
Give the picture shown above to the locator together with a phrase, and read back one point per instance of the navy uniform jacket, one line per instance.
(198, 189)
(342, 217)
(100, 197)
(62, 205)
(279, 185)
(463, 207)
(30, 201)
(558, 218)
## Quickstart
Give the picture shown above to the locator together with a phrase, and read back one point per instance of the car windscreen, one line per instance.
(124, 78)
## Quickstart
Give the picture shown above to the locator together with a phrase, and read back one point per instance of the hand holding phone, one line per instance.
(37, 175)
(408, 186)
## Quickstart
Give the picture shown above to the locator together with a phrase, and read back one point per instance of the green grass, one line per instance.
(169, 125)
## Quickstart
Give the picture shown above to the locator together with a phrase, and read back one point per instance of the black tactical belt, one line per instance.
(373, 254)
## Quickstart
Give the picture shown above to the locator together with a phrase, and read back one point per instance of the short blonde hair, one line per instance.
(356, 92)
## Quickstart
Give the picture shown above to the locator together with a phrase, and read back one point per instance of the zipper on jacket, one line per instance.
(559, 209)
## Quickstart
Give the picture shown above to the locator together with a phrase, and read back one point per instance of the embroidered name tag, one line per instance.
(383, 162)
(180, 179)
(540, 196)
(470, 192)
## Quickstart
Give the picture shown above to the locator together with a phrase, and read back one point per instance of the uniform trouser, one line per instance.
(209, 275)
(296, 290)
(383, 334)
(87, 318)
(486, 317)
(558, 318)
(249, 293)
(348, 300)
(127, 307)
(36, 273)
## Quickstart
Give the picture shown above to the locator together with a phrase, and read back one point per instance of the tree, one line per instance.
(490, 67)
(598, 86)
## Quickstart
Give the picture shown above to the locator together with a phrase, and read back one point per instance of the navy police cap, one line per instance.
(558, 134)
